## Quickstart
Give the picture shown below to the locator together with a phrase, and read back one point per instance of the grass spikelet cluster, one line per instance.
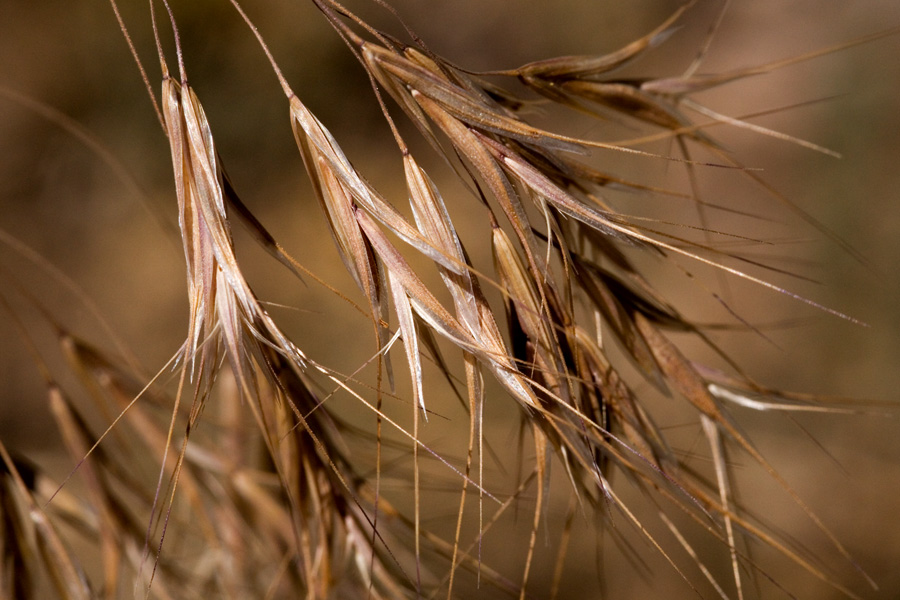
(240, 468)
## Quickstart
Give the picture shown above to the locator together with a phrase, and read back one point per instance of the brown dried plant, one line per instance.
(270, 500)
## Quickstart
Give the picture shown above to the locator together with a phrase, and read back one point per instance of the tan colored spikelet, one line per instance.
(38, 536)
(221, 301)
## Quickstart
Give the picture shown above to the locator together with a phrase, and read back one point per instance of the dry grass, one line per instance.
(525, 402)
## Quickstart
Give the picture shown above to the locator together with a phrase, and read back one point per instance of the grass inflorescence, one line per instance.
(248, 466)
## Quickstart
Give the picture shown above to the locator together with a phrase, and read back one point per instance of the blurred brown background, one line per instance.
(62, 199)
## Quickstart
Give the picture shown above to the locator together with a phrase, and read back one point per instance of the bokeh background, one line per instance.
(85, 180)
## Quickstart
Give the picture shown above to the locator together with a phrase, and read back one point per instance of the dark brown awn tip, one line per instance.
(519, 283)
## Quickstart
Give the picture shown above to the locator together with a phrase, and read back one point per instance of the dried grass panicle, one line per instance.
(278, 506)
